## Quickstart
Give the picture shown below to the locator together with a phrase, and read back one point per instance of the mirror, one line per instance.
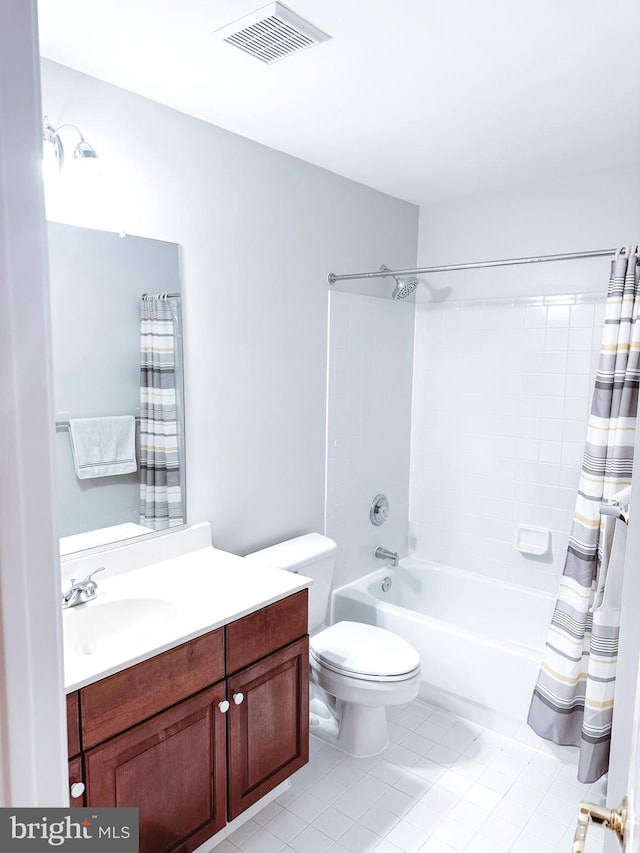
(97, 279)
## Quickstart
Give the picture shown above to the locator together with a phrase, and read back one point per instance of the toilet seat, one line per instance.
(367, 652)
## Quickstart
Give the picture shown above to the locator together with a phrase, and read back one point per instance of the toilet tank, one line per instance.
(312, 555)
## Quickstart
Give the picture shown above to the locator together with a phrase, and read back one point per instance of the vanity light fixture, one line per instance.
(51, 135)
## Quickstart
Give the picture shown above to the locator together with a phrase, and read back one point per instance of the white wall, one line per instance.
(503, 370)
(368, 427)
(260, 231)
(33, 752)
(591, 211)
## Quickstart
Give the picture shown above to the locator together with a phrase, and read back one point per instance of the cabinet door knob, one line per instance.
(77, 789)
(224, 706)
(238, 698)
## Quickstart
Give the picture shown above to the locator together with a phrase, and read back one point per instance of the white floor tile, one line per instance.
(469, 815)
(546, 828)
(496, 780)
(455, 782)
(440, 798)
(387, 772)
(333, 823)
(412, 785)
(563, 810)
(311, 840)
(379, 819)
(355, 802)
(428, 770)
(527, 843)
(268, 812)
(443, 755)
(433, 845)
(499, 830)
(454, 833)
(307, 807)
(242, 833)
(514, 812)
(397, 802)
(359, 839)
(387, 847)
(285, 825)
(262, 842)
(402, 756)
(484, 845)
(442, 786)
(417, 743)
(482, 796)
(407, 836)
(424, 817)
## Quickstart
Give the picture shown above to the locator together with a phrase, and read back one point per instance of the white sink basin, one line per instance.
(100, 626)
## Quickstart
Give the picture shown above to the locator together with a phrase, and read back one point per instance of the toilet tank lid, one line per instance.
(296, 553)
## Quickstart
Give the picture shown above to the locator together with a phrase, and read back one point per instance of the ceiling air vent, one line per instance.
(271, 33)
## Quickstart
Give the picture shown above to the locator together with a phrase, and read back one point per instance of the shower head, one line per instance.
(404, 286)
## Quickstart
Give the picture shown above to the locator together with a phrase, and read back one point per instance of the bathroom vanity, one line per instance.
(199, 731)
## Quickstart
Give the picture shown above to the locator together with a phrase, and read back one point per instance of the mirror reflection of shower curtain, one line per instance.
(572, 702)
(161, 499)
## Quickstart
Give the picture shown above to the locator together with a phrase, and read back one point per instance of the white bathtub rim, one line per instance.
(411, 562)
(359, 592)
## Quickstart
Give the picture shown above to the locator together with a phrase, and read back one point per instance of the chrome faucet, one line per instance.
(383, 554)
(81, 591)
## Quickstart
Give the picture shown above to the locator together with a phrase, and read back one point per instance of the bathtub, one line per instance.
(480, 640)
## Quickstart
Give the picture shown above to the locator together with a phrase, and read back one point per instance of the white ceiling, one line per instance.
(423, 99)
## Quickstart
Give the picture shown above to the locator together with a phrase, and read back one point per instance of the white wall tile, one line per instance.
(498, 431)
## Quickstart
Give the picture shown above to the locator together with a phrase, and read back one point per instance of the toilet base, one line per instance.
(358, 730)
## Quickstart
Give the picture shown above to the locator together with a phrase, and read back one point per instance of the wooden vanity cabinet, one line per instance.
(195, 735)
(172, 767)
(76, 779)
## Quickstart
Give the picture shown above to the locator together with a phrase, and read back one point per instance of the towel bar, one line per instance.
(613, 507)
(62, 425)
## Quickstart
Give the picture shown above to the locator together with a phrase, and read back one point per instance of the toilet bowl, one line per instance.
(356, 670)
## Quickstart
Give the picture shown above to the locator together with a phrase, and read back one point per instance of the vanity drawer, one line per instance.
(116, 703)
(257, 635)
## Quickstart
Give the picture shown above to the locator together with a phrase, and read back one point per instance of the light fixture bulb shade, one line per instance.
(84, 149)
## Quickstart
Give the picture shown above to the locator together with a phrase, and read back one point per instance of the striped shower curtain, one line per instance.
(572, 701)
(161, 503)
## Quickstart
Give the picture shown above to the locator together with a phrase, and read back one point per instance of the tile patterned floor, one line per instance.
(444, 785)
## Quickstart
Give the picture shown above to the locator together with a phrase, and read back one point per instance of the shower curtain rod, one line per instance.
(506, 262)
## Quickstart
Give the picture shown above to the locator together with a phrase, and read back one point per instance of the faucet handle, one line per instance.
(89, 577)
(67, 593)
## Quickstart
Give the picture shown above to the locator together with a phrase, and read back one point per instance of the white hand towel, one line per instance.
(103, 447)
(612, 548)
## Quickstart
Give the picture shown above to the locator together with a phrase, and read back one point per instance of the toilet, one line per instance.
(356, 670)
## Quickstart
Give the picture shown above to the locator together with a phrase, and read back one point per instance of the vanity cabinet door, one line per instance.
(76, 783)
(268, 724)
(171, 767)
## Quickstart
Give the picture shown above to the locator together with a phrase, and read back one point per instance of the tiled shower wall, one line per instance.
(368, 427)
(501, 395)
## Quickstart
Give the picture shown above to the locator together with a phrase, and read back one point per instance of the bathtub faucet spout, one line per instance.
(383, 554)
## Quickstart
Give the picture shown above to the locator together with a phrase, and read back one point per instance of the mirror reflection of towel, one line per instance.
(103, 447)
(612, 548)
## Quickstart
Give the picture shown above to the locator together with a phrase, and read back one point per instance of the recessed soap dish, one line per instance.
(532, 540)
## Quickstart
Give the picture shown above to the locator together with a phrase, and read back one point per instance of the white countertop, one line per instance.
(207, 587)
